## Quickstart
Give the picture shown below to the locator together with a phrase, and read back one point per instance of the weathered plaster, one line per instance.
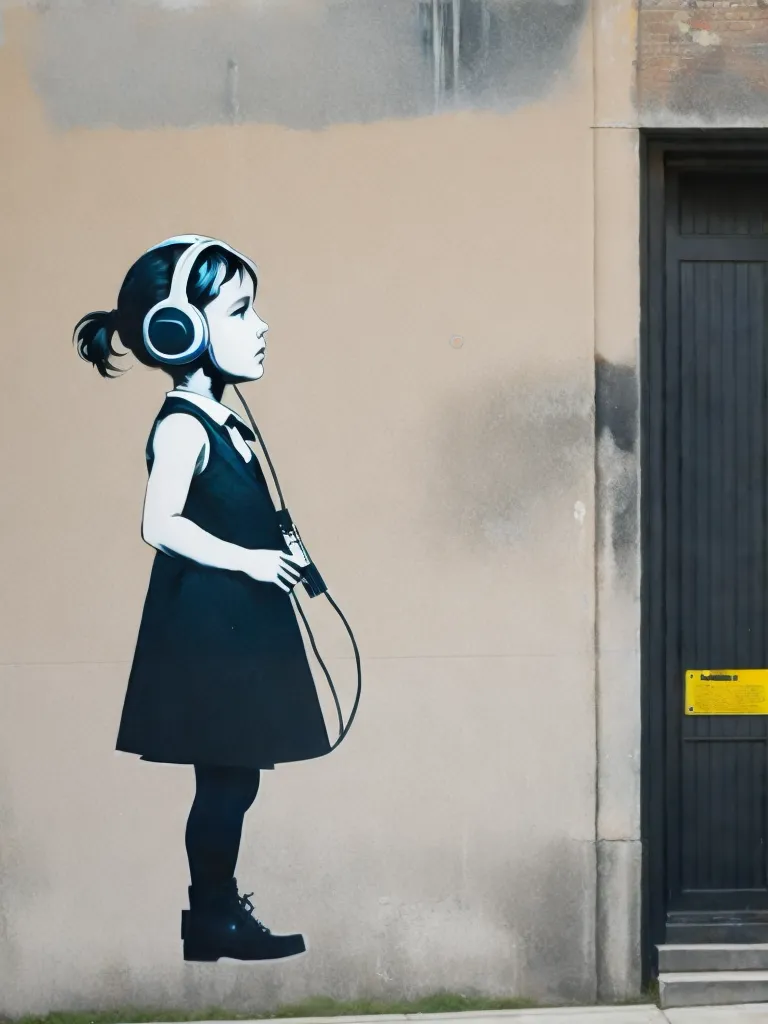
(616, 423)
(454, 841)
(304, 64)
(510, 449)
(617, 548)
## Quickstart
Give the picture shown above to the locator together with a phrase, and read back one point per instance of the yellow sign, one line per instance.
(727, 691)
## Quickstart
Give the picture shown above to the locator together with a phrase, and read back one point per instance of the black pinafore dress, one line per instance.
(220, 675)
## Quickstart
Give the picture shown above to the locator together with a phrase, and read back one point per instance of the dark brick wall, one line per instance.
(704, 59)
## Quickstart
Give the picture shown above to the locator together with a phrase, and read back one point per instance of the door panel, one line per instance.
(705, 561)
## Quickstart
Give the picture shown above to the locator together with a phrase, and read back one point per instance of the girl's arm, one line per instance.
(180, 448)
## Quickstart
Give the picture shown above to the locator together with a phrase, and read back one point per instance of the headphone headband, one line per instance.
(175, 331)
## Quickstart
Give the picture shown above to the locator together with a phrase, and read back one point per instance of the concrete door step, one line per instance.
(749, 1013)
(713, 957)
(712, 988)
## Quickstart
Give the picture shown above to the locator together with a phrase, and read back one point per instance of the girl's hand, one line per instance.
(269, 566)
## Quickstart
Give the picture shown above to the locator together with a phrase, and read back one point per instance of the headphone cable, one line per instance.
(257, 432)
(343, 729)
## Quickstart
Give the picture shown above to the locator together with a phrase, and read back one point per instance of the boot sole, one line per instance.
(193, 956)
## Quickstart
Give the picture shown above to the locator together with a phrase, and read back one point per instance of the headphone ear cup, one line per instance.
(176, 335)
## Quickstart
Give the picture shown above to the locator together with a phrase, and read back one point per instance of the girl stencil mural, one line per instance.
(220, 679)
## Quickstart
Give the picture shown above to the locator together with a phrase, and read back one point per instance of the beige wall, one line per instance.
(456, 840)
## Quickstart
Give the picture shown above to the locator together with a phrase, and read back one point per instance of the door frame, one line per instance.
(656, 148)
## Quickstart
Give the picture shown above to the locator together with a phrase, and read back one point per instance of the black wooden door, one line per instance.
(705, 544)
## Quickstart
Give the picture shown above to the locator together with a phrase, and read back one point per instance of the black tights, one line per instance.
(215, 823)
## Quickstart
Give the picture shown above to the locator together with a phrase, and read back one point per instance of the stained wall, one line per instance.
(471, 505)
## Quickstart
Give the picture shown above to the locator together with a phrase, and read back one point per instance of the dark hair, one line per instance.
(146, 283)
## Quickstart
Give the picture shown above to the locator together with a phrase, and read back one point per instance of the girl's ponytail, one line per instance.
(93, 338)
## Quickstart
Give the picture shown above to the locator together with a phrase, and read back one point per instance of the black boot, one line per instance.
(221, 924)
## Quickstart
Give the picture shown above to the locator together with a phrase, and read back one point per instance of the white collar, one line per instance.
(219, 413)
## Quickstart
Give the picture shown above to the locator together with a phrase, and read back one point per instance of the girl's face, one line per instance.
(236, 331)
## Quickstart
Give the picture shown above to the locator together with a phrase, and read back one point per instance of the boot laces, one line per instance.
(247, 909)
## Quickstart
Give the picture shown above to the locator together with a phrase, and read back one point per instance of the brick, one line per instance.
(668, 56)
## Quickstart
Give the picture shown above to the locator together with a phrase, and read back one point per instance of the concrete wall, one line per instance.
(479, 830)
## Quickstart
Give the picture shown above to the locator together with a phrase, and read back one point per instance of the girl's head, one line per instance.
(221, 285)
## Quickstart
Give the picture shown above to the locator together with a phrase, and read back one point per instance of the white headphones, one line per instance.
(175, 331)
